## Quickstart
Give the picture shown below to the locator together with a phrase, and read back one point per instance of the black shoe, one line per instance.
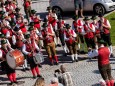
(82, 52)
(23, 69)
(77, 60)
(112, 55)
(34, 77)
(15, 82)
(57, 63)
(11, 83)
(39, 76)
(58, 45)
(27, 69)
(51, 64)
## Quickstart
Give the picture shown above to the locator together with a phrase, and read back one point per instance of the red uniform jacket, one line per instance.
(22, 27)
(36, 22)
(106, 31)
(27, 4)
(103, 56)
(49, 39)
(76, 26)
(70, 41)
(60, 26)
(89, 34)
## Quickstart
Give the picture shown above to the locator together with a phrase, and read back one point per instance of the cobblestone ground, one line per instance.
(84, 73)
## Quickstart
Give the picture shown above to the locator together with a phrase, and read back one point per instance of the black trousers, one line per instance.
(31, 62)
(106, 38)
(6, 68)
(61, 36)
(90, 42)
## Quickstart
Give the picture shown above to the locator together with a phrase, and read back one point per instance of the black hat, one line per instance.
(16, 29)
(67, 26)
(101, 41)
(2, 12)
(44, 25)
(86, 18)
(27, 36)
(30, 28)
(3, 41)
(12, 23)
(75, 17)
(94, 17)
(2, 36)
(49, 8)
(45, 20)
(33, 11)
(31, 24)
(101, 15)
(17, 9)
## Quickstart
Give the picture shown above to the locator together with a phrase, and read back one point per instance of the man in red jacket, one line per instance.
(104, 26)
(103, 54)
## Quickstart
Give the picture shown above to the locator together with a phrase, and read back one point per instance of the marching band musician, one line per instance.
(18, 13)
(30, 48)
(20, 23)
(52, 19)
(89, 34)
(34, 36)
(71, 40)
(9, 71)
(2, 37)
(18, 41)
(34, 18)
(103, 53)
(60, 31)
(77, 26)
(27, 8)
(48, 39)
(105, 31)
(97, 30)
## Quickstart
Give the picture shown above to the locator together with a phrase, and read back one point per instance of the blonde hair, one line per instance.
(40, 82)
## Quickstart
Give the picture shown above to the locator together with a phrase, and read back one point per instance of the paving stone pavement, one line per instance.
(84, 73)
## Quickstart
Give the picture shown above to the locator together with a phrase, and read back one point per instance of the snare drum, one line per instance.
(15, 58)
(38, 58)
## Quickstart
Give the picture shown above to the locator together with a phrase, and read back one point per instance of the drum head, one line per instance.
(11, 61)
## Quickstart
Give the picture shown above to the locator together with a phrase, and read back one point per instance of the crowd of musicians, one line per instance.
(31, 33)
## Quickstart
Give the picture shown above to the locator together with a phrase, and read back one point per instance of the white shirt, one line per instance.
(95, 52)
(74, 35)
(24, 48)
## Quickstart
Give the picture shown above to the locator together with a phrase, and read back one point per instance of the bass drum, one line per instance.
(15, 58)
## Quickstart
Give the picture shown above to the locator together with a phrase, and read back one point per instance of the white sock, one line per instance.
(65, 49)
(76, 57)
(79, 46)
(58, 40)
(111, 49)
(55, 41)
(72, 57)
(96, 46)
(25, 63)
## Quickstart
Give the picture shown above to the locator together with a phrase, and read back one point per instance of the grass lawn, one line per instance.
(111, 19)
